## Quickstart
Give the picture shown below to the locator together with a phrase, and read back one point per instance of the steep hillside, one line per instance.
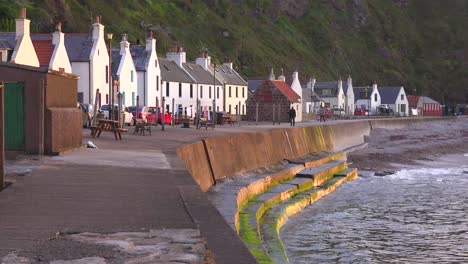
(416, 43)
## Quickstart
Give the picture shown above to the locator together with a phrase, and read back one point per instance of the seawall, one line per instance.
(215, 158)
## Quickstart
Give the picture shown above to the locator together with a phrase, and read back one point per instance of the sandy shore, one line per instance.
(390, 150)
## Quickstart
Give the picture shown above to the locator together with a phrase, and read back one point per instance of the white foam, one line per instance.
(411, 174)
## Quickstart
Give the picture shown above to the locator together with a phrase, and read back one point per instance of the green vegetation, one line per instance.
(419, 44)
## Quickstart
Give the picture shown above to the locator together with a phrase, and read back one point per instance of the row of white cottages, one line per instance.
(136, 69)
(342, 95)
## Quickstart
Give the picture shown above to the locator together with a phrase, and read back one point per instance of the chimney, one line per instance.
(24, 52)
(98, 29)
(229, 64)
(295, 75)
(124, 44)
(150, 42)
(22, 24)
(311, 83)
(59, 60)
(281, 77)
(177, 55)
(203, 59)
(374, 86)
(272, 75)
(350, 81)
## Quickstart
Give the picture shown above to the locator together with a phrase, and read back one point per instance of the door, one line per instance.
(14, 116)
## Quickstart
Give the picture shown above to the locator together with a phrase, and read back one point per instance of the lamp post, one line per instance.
(215, 94)
(111, 92)
(366, 96)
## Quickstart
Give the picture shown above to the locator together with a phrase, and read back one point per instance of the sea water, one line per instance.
(417, 215)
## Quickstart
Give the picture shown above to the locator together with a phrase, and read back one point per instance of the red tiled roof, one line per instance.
(292, 96)
(413, 101)
(44, 51)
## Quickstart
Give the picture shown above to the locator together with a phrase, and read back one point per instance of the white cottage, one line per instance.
(89, 59)
(367, 98)
(395, 97)
(296, 86)
(177, 85)
(125, 72)
(331, 93)
(311, 102)
(349, 96)
(17, 47)
(148, 71)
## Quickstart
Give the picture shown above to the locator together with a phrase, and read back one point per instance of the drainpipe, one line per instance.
(90, 89)
(42, 106)
(2, 138)
(144, 88)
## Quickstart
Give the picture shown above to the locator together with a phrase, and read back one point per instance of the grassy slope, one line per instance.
(421, 46)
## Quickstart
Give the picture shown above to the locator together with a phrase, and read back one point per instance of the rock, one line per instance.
(91, 145)
(383, 173)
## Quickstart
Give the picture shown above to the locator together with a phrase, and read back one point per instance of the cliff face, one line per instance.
(416, 43)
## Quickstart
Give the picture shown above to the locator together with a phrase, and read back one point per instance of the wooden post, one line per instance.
(41, 116)
(240, 113)
(157, 102)
(95, 107)
(173, 113)
(256, 114)
(213, 116)
(2, 137)
(163, 106)
(279, 114)
(137, 112)
(119, 116)
(273, 114)
(198, 113)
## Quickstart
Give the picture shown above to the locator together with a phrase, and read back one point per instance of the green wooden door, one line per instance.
(14, 116)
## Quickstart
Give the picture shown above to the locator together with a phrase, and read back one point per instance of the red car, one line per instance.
(147, 114)
(360, 112)
(167, 117)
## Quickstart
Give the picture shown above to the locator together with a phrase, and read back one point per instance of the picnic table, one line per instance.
(109, 126)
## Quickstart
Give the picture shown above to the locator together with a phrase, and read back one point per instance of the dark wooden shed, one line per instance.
(41, 116)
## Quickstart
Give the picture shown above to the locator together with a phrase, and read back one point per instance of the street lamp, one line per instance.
(111, 93)
(366, 96)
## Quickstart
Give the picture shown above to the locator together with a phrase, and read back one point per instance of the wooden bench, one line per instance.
(108, 126)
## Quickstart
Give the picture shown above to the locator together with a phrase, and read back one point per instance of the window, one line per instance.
(107, 74)
(123, 98)
(201, 91)
(133, 98)
(99, 100)
(131, 76)
(180, 89)
(107, 99)
(156, 63)
(229, 106)
(80, 97)
(243, 109)
(230, 94)
(217, 93)
(167, 89)
(243, 92)
(375, 97)
(237, 92)
(217, 108)
(157, 83)
(209, 92)
(191, 90)
(1, 56)
(402, 97)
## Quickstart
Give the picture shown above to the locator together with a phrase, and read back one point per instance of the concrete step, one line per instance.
(323, 172)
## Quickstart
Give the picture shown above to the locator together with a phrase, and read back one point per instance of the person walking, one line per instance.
(292, 116)
(322, 114)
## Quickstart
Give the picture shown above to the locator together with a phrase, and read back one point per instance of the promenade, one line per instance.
(134, 185)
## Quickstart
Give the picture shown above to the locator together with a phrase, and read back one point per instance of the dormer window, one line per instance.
(402, 97)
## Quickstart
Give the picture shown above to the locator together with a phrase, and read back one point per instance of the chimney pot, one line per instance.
(98, 19)
(59, 27)
(22, 13)
(150, 34)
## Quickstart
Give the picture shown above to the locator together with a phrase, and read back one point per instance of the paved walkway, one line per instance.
(136, 185)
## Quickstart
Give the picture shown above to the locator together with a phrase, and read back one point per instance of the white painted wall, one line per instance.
(141, 78)
(59, 57)
(128, 85)
(24, 52)
(400, 101)
(99, 59)
(184, 100)
(153, 73)
(82, 69)
(234, 100)
(296, 86)
(349, 102)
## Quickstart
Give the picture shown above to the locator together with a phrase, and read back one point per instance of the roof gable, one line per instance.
(389, 95)
(286, 90)
(44, 50)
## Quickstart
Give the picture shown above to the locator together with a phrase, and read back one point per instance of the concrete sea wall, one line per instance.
(215, 158)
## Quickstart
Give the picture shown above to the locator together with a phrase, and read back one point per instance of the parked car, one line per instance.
(360, 112)
(127, 115)
(147, 114)
(167, 116)
(384, 110)
(87, 113)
